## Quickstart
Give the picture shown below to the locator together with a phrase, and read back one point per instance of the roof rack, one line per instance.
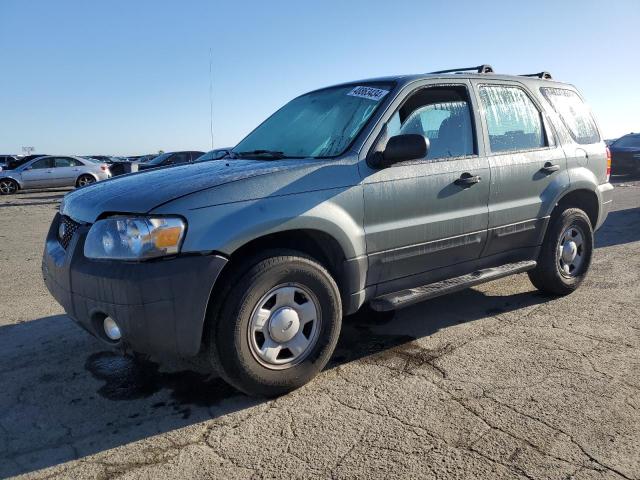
(479, 69)
(542, 75)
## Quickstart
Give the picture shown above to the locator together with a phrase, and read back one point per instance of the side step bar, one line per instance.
(404, 298)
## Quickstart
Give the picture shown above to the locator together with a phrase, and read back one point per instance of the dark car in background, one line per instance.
(11, 162)
(171, 158)
(215, 154)
(144, 158)
(117, 165)
(625, 154)
(5, 161)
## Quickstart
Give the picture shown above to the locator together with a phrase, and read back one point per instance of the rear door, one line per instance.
(528, 167)
(418, 217)
(66, 171)
(38, 174)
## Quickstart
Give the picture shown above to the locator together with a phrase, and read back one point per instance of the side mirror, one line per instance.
(402, 148)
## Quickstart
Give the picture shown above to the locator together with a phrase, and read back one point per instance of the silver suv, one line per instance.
(388, 192)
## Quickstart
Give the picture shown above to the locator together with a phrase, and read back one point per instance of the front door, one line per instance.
(432, 212)
(38, 174)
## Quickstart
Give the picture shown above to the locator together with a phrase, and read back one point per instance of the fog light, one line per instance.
(112, 329)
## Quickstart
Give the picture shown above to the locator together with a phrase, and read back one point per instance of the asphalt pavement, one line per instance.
(495, 382)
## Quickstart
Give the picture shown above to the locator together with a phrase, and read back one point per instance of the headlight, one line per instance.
(134, 238)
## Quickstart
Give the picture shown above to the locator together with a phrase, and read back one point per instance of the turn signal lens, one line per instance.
(167, 237)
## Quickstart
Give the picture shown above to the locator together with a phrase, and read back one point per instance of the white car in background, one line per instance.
(53, 171)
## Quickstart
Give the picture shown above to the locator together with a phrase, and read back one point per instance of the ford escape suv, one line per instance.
(388, 192)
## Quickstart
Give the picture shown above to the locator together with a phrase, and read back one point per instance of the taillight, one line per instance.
(608, 164)
(104, 168)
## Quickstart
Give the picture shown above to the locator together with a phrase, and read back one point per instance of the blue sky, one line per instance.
(131, 77)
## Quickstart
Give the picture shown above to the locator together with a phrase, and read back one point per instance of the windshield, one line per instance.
(318, 124)
(628, 141)
(159, 159)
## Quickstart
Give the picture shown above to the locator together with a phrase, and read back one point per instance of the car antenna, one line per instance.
(211, 95)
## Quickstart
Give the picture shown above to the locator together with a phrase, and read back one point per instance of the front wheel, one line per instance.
(8, 186)
(566, 253)
(85, 180)
(277, 326)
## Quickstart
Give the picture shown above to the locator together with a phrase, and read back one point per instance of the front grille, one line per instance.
(66, 229)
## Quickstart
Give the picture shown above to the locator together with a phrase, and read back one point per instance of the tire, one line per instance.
(556, 273)
(84, 180)
(8, 186)
(273, 290)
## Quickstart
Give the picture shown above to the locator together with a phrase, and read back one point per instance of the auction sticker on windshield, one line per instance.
(371, 93)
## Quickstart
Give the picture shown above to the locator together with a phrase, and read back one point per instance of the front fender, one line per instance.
(224, 228)
(16, 178)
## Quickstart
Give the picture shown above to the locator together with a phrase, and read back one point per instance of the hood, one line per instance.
(143, 191)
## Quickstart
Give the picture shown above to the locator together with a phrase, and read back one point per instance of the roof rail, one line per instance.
(479, 69)
(542, 75)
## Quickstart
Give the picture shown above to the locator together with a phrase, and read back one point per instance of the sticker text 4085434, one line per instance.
(370, 93)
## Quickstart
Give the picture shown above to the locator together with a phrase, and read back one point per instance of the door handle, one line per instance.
(466, 180)
(550, 168)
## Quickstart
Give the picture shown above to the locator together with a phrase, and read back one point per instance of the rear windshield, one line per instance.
(574, 113)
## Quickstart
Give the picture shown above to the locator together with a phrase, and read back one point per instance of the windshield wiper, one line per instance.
(271, 154)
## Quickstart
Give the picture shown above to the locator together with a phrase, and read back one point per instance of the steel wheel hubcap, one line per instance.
(284, 326)
(571, 251)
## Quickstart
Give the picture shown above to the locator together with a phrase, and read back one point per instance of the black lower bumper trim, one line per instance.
(160, 305)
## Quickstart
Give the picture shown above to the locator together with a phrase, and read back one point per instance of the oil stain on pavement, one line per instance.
(130, 378)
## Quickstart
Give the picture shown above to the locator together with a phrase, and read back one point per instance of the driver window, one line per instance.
(442, 114)
(44, 163)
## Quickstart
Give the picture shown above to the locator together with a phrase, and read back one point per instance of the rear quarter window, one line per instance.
(575, 114)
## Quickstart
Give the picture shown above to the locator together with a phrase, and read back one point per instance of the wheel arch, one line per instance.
(84, 174)
(317, 244)
(583, 198)
(20, 187)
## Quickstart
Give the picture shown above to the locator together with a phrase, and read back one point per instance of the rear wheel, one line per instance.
(84, 180)
(277, 325)
(8, 186)
(566, 253)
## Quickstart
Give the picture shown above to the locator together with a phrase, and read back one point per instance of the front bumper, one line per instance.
(160, 305)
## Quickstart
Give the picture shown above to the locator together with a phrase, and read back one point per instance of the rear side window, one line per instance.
(513, 120)
(67, 162)
(574, 113)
